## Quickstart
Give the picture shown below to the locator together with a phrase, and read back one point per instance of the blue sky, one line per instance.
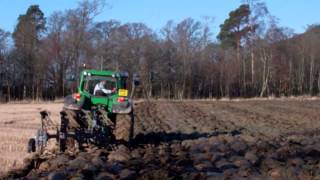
(295, 14)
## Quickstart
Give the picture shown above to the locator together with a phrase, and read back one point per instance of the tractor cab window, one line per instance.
(103, 82)
(123, 83)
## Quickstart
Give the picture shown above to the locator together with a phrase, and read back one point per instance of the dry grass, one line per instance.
(30, 101)
(18, 123)
(226, 99)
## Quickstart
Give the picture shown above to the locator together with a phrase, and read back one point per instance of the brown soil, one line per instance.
(200, 140)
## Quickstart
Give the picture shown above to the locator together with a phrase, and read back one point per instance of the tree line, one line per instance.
(252, 55)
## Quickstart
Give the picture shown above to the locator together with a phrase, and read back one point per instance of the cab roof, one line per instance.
(104, 73)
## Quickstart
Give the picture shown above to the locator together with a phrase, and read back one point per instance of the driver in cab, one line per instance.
(100, 90)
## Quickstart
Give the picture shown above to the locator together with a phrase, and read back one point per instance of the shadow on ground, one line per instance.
(157, 138)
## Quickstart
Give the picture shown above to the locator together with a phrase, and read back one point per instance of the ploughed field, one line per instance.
(185, 140)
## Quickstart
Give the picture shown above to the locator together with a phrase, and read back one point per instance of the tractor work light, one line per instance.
(77, 96)
(121, 99)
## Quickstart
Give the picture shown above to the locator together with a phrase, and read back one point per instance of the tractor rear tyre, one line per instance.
(123, 131)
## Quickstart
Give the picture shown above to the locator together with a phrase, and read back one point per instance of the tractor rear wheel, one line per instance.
(123, 131)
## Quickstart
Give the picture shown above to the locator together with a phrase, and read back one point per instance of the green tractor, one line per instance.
(100, 113)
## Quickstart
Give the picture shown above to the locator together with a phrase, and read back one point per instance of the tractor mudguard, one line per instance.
(72, 104)
(122, 108)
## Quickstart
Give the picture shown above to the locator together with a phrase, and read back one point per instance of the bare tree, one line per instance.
(4, 64)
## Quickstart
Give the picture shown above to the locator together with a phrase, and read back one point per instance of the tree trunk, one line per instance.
(244, 78)
(8, 92)
(311, 78)
(290, 77)
(319, 83)
(266, 72)
(301, 78)
(265, 84)
(240, 64)
(252, 68)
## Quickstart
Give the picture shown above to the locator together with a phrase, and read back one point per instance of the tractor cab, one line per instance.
(114, 97)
